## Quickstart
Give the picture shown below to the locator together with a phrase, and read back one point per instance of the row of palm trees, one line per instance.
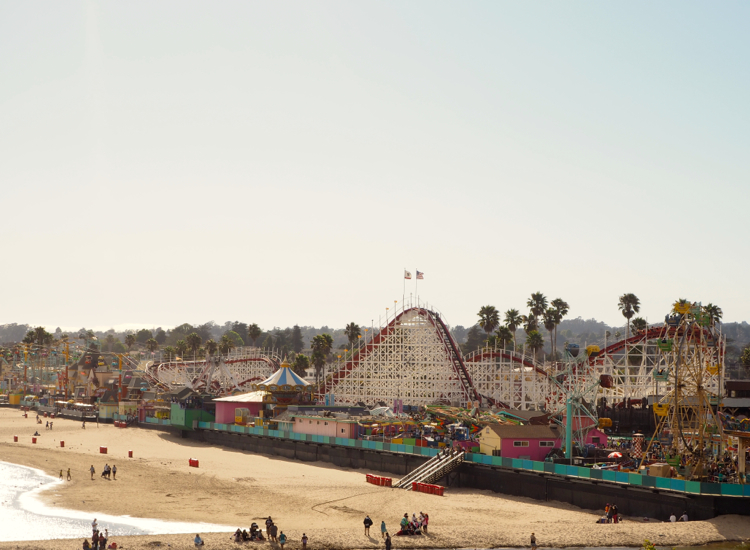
(549, 314)
(629, 305)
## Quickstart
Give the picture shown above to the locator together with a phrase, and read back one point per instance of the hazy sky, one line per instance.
(283, 162)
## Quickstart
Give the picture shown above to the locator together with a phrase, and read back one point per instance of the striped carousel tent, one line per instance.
(282, 379)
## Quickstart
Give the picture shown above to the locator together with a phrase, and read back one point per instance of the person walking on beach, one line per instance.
(92, 471)
(68, 474)
(383, 530)
(114, 472)
(368, 524)
(83, 425)
(60, 475)
(282, 539)
(533, 541)
(387, 542)
(304, 540)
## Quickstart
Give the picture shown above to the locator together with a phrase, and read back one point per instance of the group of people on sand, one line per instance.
(611, 514)
(98, 539)
(683, 517)
(417, 525)
(109, 472)
(255, 534)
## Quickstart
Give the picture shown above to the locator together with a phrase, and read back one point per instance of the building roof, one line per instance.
(528, 431)
(250, 397)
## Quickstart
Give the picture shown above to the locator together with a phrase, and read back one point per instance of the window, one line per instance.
(520, 443)
(325, 423)
(546, 443)
(594, 440)
(496, 452)
(342, 430)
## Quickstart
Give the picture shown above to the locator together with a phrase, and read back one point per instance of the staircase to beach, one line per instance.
(437, 467)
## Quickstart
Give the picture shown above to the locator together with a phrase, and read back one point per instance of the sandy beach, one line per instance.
(235, 488)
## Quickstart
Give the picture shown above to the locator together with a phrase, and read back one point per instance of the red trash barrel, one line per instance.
(52, 415)
(15, 439)
(103, 450)
(193, 462)
(440, 492)
(45, 415)
(130, 454)
(62, 443)
(414, 485)
(33, 439)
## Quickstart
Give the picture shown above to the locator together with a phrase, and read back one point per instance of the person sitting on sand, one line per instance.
(683, 517)
(404, 521)
(253, 530)
(37, 434)
(198, 540)
(245, 536)
(237, 535)
(86, 545)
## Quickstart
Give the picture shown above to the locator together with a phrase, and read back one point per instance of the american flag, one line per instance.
(420, 275)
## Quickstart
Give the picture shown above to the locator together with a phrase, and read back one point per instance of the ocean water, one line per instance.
(25, 517)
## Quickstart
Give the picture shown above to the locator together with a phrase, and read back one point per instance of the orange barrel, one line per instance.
(103, 450)
(130, 454)
(62, 443)
(33, 439)
(15, 439)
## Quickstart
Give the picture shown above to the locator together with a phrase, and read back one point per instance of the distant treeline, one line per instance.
(298, 338)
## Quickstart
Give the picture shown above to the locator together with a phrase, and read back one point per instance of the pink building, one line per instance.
(594, 436)
(531, 442)
(326, 425)
(226, 407)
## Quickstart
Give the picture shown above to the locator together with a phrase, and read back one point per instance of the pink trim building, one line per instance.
(531, 442)
(226, 407)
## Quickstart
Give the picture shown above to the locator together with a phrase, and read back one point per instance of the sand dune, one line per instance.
(235, 488)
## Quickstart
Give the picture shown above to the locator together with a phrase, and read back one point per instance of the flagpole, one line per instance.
(416, 284)
(404, 294)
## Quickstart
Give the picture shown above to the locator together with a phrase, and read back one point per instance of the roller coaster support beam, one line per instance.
(569, 428)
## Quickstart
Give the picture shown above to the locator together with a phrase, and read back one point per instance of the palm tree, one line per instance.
(352, 332)
(152, 345)
(639, 324)
(489, 319)
(537, 304)
(194, 342)
(321, 346)
(562, 307)
(550, 319)
(211, 347)
(713, 313)
(130, 341)
(110, 338)
(513, 321)
(504, 336)
(300, 364)
(181, 347)
(530, 323)
(254, 332)
(534, 341)
(629, 304)
(226, 344)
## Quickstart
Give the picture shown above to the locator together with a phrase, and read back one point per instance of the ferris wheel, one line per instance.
(688, 379)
